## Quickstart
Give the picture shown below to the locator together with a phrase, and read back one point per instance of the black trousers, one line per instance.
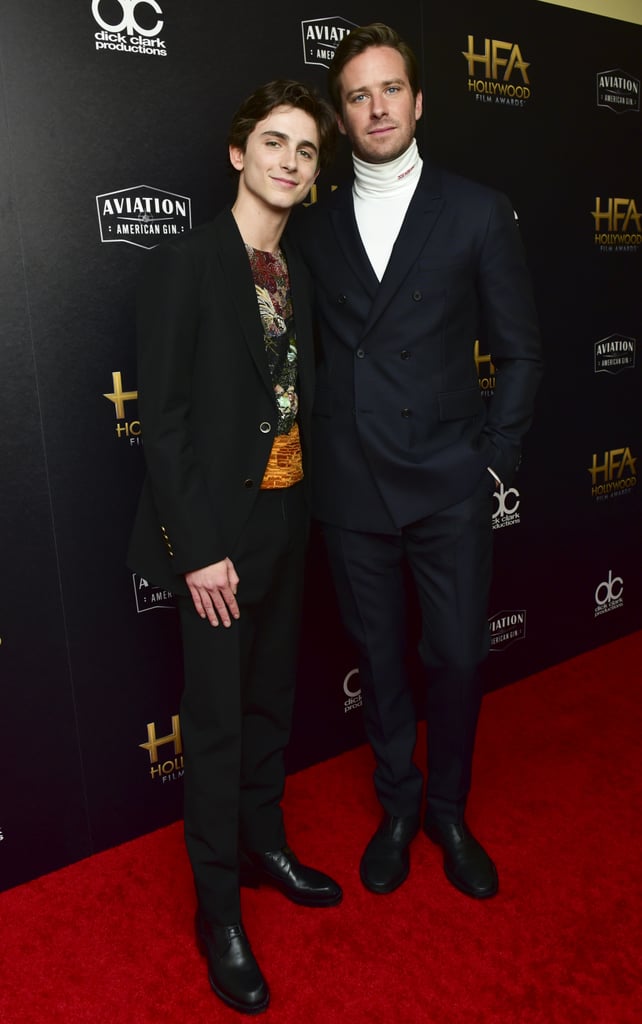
(449, 555)
(236, 708)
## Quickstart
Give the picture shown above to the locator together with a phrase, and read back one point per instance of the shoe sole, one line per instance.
(223, 996)
(383, 890)
(486, 895)
(240, 1007)
(476, 895)
(251, 879)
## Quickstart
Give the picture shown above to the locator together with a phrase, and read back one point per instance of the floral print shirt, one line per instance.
(272, 283)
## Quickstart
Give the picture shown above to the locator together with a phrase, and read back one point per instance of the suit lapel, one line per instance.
(347, 232)
(238, 273)
(421, 217)
(302, 307)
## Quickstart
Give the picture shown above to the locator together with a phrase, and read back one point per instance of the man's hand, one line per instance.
(213, 588)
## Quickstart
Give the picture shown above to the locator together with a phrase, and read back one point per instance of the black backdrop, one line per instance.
(113, 116)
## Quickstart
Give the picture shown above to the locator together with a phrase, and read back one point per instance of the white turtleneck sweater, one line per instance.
(382, 194)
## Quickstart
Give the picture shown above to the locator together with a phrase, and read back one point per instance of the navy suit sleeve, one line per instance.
(512, 335)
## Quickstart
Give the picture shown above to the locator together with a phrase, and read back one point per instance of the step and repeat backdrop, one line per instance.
(113, 119)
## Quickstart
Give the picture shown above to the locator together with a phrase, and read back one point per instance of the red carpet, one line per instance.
(556, 799)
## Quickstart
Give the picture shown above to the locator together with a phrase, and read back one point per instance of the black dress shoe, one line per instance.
(386, 860)
(283, 871)
(466, 863)
(234, 974)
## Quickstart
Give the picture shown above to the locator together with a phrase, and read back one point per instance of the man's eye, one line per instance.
(306, 153)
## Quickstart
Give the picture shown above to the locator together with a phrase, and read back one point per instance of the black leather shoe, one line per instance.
(283, 871)
(466, 863)
(234, 974)
(386, 860)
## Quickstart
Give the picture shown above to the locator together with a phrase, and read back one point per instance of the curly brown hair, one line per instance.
(283, 92)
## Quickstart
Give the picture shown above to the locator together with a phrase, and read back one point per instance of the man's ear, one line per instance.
(236, 157)
(340, 125)
(419, 105)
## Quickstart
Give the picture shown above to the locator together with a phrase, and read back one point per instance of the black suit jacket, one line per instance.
(400, 427)
(206, 400)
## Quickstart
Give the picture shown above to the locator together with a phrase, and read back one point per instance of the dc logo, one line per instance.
(507, 501)
(128, 16)
(346, 684)
(610, 589)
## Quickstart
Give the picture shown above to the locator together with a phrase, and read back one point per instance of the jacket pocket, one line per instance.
(459, 405)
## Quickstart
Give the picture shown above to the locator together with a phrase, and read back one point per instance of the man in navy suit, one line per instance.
(410, 266)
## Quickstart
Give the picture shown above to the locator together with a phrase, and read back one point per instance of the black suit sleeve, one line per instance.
(167, 325)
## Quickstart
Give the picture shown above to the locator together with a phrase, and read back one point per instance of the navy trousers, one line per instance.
(449, 555)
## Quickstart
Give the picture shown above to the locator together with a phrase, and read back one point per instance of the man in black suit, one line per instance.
(225, 391)
(410, 265)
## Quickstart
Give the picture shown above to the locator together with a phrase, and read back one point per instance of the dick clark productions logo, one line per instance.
(507, 501)
(129, 26)
(608, 594)
(354, 698)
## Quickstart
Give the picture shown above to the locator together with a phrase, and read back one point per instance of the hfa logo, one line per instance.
(613, 473)
(485, 371)
(134, 26)
(503, 69)
(618, 91)
(618, 225)
(321, 36)
(172, 768)
(608, 594)
(119, 396)
(149, 597)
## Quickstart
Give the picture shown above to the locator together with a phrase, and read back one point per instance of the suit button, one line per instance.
(360, 353)
(405, 354)
(341, 299)
(248, 483)
(416, 295)
(406, 413)
(265, 427)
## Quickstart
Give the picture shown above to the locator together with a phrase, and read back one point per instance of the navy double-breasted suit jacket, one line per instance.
(206, 400)
(400, 429)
